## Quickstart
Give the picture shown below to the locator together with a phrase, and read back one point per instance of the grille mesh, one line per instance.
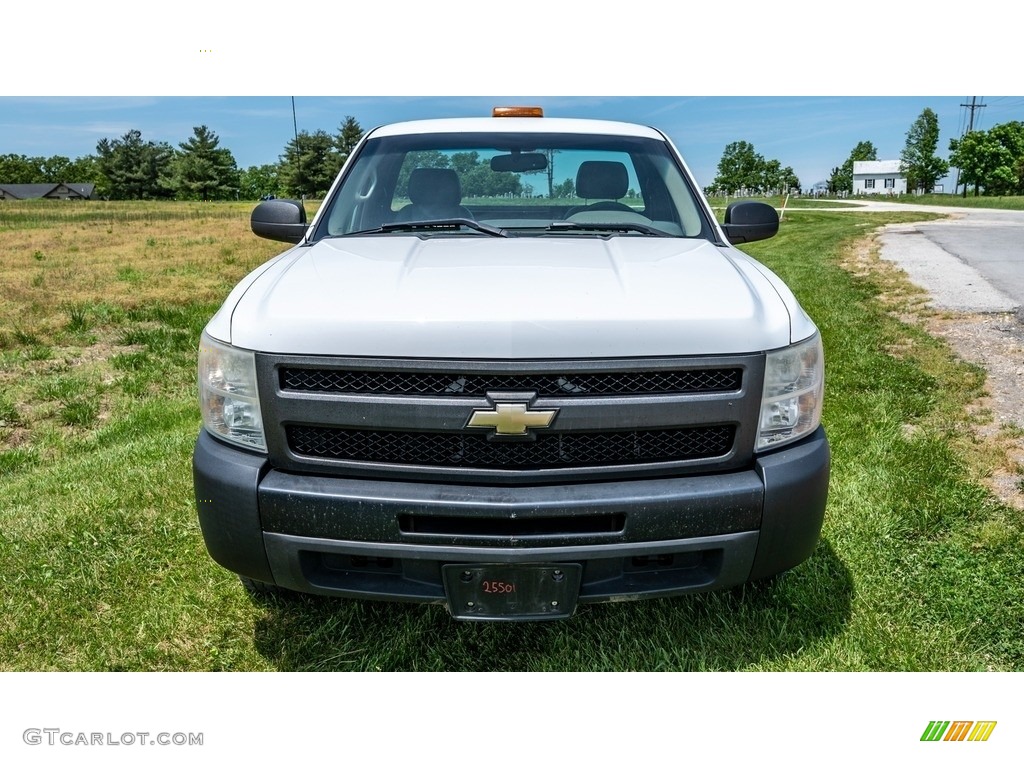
(568, 384)
(573, 449)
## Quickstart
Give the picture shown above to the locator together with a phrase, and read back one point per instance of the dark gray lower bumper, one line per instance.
(640, 538)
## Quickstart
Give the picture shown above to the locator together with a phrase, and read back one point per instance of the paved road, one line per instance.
(972, 262)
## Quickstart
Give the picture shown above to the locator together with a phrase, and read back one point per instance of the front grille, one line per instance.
(402, 419)
(559, 384)
(562, 450)
(520, 526)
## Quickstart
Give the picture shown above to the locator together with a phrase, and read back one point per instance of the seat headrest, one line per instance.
(434, 186)
(601, 180)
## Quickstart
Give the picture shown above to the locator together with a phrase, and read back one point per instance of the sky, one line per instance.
(798, 85)
(812, 134)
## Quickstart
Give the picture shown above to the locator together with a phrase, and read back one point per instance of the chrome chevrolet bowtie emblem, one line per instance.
(512, 418)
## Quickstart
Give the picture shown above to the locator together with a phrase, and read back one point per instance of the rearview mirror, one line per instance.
(519, 162)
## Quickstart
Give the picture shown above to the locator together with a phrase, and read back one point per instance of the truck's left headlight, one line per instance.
(228, 397)
(794, 385)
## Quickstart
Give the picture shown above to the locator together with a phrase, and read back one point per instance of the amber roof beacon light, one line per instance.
(517, 112)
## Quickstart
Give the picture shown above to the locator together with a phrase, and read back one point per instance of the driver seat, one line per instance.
(603, 180)
(435, 193)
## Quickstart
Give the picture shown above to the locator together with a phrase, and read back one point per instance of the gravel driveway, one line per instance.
(972, 266)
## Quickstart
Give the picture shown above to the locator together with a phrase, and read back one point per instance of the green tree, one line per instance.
(565, 190)
(55, 170)
(740, 168)
(841, 179)
(481, 181)
(977, 155)
(771, 175)
(349, 135)
(778, 180)
(17, 169)
(463, 162)
(202, 169)
(1008, 178)
(86, 170)
(918, 160)
(135, 169)
(790, 180)
(309, 164)
(258, 181)
(991, 160)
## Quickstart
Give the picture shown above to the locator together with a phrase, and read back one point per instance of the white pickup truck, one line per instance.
(512, 365)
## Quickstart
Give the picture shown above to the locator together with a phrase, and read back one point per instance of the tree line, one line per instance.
(991, 162)
(743, 170)
(475, 174)
(130, 168)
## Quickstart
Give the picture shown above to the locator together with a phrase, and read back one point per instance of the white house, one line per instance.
(878, 177)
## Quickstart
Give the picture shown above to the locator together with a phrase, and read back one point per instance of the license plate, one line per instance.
(512, 592)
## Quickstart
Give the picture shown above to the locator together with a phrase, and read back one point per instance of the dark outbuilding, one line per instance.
(61, 191)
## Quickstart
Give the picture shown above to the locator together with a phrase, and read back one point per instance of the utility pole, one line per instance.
(970, 127)
(972, 106)
(551, 172)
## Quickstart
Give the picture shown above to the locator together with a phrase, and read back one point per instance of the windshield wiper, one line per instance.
(575, 226)
(437, 224)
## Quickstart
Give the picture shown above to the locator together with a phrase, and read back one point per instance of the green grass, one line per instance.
(103, 567)
(1006, 203)
(778, 201)
(30, 214)
(8, 411)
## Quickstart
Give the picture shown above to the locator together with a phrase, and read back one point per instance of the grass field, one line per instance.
(793, 203)
(102, 565)
(1008, 203)
(954, 201)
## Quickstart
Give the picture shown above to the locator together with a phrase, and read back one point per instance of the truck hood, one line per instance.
(518, 298)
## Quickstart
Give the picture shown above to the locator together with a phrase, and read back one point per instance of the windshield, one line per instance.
(480, 184)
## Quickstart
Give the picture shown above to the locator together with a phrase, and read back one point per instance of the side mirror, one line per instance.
(748, 221)
(283, 220)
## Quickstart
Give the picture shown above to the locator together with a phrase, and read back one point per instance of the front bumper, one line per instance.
(390, 540)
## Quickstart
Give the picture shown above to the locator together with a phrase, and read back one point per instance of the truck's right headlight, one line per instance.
(228, 397)
(794, 385)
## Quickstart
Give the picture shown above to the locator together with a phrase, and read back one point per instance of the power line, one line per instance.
(1006, 105)
(972, 107)
(960, 128)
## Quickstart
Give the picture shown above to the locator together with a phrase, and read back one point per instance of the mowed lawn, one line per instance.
(103, 567)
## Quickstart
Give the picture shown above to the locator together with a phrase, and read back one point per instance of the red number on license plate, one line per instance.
(499, 587)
